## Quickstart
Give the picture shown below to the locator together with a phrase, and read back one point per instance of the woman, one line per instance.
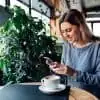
(81, 50)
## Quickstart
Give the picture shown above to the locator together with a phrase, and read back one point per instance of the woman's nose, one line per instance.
(66, 34)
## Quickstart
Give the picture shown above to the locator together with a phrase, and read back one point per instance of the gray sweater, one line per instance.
(85, 60)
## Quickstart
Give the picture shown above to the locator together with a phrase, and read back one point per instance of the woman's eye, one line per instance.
(66, 30)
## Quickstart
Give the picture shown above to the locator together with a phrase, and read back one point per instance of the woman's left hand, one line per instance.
(62, 69)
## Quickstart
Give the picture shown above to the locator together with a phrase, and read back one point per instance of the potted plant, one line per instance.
(23, 40)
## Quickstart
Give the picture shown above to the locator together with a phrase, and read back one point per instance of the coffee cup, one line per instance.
(51, 81)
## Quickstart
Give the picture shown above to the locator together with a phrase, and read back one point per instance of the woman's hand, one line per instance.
(62, 69)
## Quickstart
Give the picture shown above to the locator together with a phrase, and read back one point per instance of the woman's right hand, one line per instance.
(62, 69)
(58, 68)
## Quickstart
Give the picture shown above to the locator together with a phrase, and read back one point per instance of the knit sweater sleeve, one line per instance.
(88, 77)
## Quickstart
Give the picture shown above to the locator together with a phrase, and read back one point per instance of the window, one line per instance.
(2, 2)
(96, 29)
(34, 13)
(17, 3)
(94, 25)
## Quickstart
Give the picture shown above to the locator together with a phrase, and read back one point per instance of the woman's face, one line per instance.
(70, 32)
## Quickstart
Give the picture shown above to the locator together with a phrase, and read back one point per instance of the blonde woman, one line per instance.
(81, 50)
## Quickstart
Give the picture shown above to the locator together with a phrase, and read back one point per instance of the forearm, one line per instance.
(88, 78)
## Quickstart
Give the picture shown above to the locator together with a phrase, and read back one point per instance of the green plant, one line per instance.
(23, 40)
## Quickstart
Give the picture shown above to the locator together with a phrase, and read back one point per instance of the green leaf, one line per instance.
(25, 39)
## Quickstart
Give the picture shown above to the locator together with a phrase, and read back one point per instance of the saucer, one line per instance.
(60, 88)
(1, 87)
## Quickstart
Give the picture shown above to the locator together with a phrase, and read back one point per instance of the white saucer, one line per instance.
(60, 88)
(1, 87)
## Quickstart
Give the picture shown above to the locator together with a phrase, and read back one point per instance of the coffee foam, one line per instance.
(52, 77)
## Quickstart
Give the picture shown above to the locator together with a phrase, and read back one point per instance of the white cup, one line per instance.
(51, 81)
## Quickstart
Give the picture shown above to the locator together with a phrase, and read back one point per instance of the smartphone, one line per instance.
(48, 60)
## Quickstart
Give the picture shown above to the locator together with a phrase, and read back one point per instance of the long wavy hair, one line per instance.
(75, 17)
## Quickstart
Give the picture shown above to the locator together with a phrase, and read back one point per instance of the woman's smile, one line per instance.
(70, 32)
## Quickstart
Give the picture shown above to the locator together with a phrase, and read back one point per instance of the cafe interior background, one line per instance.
(29, 30)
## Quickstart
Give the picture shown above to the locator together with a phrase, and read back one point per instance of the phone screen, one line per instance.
(48, 60)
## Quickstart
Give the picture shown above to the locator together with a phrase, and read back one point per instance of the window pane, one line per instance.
(2, 2)
(96, 29)
(17, 3)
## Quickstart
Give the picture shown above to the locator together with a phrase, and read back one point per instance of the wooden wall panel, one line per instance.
(61, 6)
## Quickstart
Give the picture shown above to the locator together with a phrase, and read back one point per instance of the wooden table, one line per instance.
(75, 93)
(79, 94)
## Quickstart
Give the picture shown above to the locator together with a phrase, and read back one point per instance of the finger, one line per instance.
(56, 69)
(54, 65)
